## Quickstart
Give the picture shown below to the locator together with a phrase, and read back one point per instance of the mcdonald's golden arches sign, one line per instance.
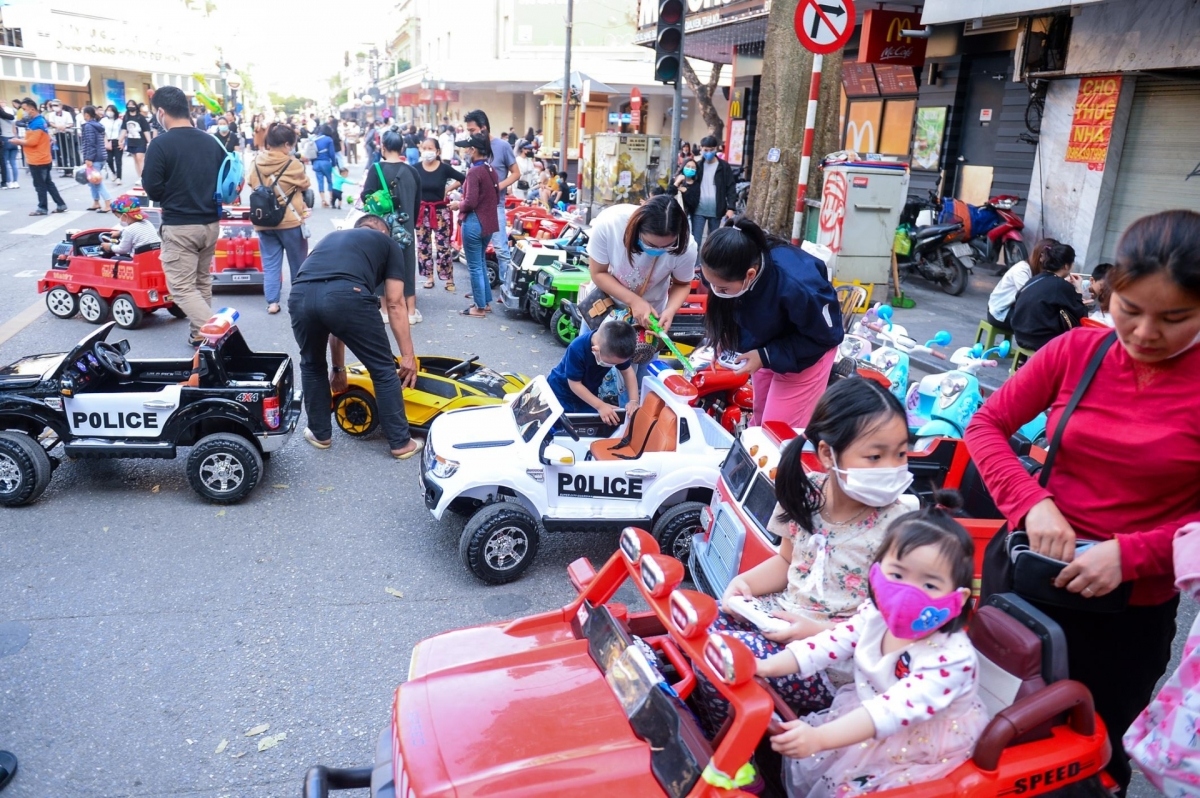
(883, 43)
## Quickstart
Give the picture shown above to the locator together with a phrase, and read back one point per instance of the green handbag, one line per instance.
(379, 202)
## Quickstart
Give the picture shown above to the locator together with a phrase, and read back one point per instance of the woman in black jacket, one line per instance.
(772, 304)
(1049, 304)
(685, 185)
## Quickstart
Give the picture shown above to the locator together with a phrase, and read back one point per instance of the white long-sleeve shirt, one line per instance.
(1004, 295)
(902, 688)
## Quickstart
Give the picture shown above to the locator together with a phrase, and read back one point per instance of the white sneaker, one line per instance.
(117, 181)
(14, 185)
(415, 317)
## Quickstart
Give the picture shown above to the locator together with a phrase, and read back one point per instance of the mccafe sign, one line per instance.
(882, 41)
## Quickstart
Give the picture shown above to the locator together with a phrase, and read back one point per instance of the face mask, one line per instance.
(653, 252)
(909, 611)
(874, 487)
(222, 128)
(160, 118)
(600, 362)
(110, 114)
(689, 172)
(428, 155)
(708, 156)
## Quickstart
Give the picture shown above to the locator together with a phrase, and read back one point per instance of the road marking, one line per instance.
(49, 224)
(22, 320)
(28, 273)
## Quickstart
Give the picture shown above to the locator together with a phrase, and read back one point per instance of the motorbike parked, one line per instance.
(992, 229)
(937, 252)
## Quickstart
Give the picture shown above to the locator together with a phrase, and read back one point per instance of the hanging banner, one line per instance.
(1091, 127)
(114, 92)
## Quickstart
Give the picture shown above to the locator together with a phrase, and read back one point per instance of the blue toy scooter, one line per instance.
(893, 358)
(941, 405)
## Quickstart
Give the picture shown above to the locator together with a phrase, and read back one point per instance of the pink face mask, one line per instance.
(908, 610)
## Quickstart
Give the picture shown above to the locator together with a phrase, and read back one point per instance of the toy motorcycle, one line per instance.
(943, 404)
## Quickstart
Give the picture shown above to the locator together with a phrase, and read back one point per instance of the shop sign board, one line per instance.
(882, 42)
(1091, 126)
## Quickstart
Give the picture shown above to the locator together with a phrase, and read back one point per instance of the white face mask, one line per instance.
(874, 487)
(428, 155)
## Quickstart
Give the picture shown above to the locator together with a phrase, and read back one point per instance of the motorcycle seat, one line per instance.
(936, 230)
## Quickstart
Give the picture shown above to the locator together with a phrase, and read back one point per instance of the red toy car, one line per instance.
(238, 260)
(87, 282)
(566, 703)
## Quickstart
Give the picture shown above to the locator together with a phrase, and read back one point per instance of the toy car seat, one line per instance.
(1023, 676)
(193, 381)
(147, 248)
(653, 429)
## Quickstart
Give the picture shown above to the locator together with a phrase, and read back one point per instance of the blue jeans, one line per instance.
(99, 191)
(10, 158)
(274, 244)
(350, 312)
(702, 223)
(413, 155)
(500, 242)
(473, 248)
(323, 169)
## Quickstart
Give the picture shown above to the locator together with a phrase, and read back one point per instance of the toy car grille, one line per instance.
(725, 546)
(543, 278)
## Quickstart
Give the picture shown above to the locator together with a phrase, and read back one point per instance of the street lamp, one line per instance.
(234, 81)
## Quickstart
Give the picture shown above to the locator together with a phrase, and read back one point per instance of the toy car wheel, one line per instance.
(675, 527)
(126, 313)
(176, 311)
(25, 469)
(499, 542)
(540, 314)
(224, 467)
(61, 302)
(356, 412)
(563, 328)
(493, 271)
(92, 306)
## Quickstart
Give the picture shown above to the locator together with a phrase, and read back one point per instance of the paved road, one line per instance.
(140, 628)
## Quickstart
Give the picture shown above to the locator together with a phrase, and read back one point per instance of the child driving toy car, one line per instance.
(136, 229)
(577, 377)
(913, 712)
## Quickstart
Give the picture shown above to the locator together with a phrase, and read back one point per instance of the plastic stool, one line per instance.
(1020, 355)
(987, 333)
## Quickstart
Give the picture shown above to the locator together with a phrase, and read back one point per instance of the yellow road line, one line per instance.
(21, 320)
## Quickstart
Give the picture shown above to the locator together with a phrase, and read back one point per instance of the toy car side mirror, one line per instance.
(941, 337)
(557, 454)
(122, 346)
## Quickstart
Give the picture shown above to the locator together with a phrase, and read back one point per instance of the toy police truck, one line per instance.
(526, 466)
(232, 406)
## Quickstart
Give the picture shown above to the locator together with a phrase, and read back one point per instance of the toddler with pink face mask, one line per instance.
(912, 713)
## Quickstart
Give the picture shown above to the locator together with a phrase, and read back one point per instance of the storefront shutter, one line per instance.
(1160, 164)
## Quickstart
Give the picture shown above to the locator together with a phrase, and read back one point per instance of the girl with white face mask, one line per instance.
(831, 525)
(434, 230)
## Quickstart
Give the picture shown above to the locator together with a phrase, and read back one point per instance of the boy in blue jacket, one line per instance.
(577, 377)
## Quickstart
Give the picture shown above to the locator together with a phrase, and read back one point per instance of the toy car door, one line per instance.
(137, 414)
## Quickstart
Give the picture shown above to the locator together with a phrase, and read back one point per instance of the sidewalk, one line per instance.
(959, 315)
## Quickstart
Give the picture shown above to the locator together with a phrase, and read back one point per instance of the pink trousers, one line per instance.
(790, 398)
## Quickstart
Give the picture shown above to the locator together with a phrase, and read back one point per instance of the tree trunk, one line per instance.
(782, 105)
(704, 97)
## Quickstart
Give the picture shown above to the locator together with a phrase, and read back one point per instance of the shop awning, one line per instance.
(577, 79)
(34, 70)
(940, 12)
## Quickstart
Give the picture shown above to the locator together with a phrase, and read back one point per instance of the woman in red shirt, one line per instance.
(1128, 467)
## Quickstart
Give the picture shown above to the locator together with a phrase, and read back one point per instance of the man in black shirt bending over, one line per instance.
(334, 295)
(181, 174)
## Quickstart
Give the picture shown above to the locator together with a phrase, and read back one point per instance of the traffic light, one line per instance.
(668, 42)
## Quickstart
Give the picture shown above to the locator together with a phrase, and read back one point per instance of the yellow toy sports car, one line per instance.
(443, 383)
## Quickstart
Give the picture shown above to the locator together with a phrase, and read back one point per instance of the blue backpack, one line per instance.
(230, 178)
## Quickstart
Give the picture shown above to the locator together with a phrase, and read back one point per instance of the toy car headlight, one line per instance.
(887, 360)
(443, 468)
(950, 388)
(153, 294)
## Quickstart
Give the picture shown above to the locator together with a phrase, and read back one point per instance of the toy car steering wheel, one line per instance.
(569, 427)
(111, 359)
(460, 369)
(781, 707)
(107, 238)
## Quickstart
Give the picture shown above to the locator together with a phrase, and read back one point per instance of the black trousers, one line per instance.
(350, 312)
(115, 156)
(1120, 657)
(1002, 326)
(43, 184)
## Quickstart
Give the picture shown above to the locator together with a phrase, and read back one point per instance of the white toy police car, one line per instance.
(525, 466)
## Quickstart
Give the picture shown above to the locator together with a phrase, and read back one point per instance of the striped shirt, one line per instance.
(136, 235)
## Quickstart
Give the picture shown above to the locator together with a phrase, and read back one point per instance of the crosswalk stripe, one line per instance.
(48, 224)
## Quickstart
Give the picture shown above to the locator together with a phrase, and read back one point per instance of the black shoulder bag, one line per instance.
(1011, 566)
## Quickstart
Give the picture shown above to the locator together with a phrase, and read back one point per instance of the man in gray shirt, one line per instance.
(504, 162)
(718, 192)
